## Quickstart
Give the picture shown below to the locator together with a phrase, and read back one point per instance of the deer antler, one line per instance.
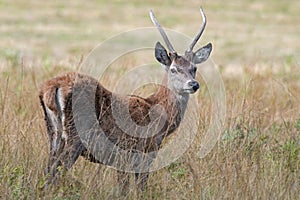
(162, 32)
(190, 49)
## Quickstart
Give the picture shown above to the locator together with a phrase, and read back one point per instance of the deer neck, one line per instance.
(173, 102)
(181, 99)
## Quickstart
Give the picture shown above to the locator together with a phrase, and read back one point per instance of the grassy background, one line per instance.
(256, 48)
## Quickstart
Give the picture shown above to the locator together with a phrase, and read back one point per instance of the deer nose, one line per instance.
(194, 85)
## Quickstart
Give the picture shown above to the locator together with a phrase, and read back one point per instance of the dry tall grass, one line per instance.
(258, 154)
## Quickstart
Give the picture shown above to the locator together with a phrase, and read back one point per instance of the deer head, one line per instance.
(181, 69)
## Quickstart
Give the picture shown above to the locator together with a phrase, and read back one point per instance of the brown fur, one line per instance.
(57, 96)
(139, 109)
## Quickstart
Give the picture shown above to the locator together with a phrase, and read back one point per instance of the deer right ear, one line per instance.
(202, 54)
(161, 55)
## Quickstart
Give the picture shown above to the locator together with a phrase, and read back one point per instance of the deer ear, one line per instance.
(161, 55)
(202, 54)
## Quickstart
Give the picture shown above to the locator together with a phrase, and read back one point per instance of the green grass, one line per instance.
(256, 46)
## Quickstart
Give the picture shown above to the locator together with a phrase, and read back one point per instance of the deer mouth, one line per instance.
(190, 90)
(191, 87)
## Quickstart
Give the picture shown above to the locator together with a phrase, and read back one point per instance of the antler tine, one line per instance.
(190, 49)
(162, 32)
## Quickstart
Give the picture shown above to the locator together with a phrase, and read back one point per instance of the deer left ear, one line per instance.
(162, 56)
(202, 54)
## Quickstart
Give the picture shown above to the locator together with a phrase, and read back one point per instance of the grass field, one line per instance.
(256, 49)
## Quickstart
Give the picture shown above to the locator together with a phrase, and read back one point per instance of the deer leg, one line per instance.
(123, 180)
(57, 151)
(54, 128)
(48, 117)
(55, 160)
(144, 166)
(64, 157)
(141, 180)
(51, 159)
(68, 152)
(73, 150)
(56, 138)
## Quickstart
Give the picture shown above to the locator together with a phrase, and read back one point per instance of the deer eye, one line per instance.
(173, 70)
(193, 70)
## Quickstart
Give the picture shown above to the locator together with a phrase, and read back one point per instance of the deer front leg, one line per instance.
(123, 180)
(141, 180)
(144, 167)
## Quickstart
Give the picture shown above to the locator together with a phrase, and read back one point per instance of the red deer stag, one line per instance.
(56, 97)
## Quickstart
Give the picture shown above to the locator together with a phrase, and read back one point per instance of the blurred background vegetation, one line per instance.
(256, 49)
